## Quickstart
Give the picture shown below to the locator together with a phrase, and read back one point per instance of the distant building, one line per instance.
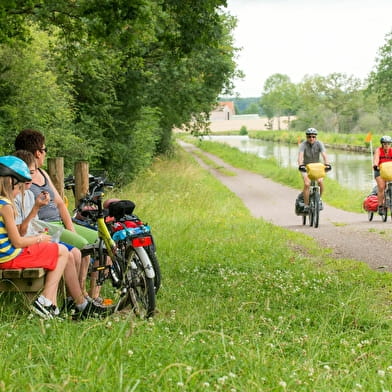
(224, 111)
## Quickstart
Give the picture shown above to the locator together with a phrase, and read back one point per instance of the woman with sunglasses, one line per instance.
(309, 152)
(381, 155)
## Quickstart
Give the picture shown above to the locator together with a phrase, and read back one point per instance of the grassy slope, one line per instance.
(245, 306)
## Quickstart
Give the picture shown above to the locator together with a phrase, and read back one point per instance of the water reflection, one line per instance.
(351, 169)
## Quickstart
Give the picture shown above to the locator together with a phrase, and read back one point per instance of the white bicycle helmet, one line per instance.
(386, 139)
(311, 131)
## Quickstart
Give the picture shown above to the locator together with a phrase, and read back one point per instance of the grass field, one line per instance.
(244, 306)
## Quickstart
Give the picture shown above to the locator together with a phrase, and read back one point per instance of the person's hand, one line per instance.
(42, 199)
(44, 238)
(302, 168)
(375, 167)
(328, 167)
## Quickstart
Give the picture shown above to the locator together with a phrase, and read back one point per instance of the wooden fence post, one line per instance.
(81, 180)
(56, 173)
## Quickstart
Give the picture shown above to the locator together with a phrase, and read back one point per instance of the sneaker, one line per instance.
(45, 311)
(68, 305)
(103, 301)
(93, 309)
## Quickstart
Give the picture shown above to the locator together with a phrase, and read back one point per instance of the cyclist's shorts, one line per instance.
(42, 255)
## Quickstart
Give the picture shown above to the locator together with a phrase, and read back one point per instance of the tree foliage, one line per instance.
(380, 81)
(111, 79)
(280, 97)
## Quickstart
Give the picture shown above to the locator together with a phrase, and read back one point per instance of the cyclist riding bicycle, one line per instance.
(381, 155)
(309, 152)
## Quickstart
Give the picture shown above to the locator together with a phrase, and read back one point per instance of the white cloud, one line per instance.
(299, 37)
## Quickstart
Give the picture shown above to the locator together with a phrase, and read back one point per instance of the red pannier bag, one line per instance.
(370, 203)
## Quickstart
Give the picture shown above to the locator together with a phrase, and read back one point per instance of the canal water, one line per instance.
(350, 169)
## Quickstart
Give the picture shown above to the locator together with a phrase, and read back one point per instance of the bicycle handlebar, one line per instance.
(96, 183)
(302, 168)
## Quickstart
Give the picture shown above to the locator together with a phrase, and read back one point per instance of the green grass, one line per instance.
(244, 306)
(212, 164)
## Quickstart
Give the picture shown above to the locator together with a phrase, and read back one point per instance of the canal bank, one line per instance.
(348, 235)
(350, 168)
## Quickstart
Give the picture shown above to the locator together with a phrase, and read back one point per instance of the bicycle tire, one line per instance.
(384, 216)
(105, 281)
(304, 219)
(157, 269)
(311, 209)
(316, 200)
(141, 291)
(370, 215)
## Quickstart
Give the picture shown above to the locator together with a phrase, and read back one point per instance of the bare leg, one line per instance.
(321, 185)
(53, 277)
(83, 273)
(380, 190)
(72, 281)
(77, 255)
(306, 189)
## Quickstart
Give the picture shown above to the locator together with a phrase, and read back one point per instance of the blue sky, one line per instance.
(307, 37)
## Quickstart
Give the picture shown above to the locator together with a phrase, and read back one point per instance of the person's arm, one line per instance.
(376, 157)
(300, 158)
(325, 158)
(64, 213)
(13, 234)
(41, 200)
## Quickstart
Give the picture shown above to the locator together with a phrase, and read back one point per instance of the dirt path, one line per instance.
(349, 235)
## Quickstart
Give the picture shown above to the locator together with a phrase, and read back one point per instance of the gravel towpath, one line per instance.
(349, 235)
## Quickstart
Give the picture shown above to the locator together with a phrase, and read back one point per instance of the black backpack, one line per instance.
(120, 208)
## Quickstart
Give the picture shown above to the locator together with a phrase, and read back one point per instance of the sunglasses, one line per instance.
(15, 182)
(311, 136)
(44, 149)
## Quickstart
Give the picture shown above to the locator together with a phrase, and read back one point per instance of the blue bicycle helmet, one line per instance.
(14, 167)
(311, 131)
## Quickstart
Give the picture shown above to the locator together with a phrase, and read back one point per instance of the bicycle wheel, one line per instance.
(311, 209)
(304, 220)
(370, 215)
(106, 279)
(316, 200)
(157, 269)
(141, 289)
(384, 216)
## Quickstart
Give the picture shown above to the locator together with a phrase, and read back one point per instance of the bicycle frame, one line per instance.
(314, 203)
(387, 200)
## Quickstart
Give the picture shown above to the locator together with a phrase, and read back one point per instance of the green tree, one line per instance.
(129, 71)
(32, 98)
(279, 97)
(380, 80)
(330, 103)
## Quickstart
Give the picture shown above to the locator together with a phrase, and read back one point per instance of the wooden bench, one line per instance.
(27, 280)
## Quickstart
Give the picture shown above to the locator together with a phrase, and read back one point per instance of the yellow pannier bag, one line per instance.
(315, 170)
(386, 171)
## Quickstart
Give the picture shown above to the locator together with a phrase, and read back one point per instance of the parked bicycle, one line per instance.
(315, 171)
(124, 265)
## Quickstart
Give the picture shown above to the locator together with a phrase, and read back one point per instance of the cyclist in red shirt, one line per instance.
(382, 154)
